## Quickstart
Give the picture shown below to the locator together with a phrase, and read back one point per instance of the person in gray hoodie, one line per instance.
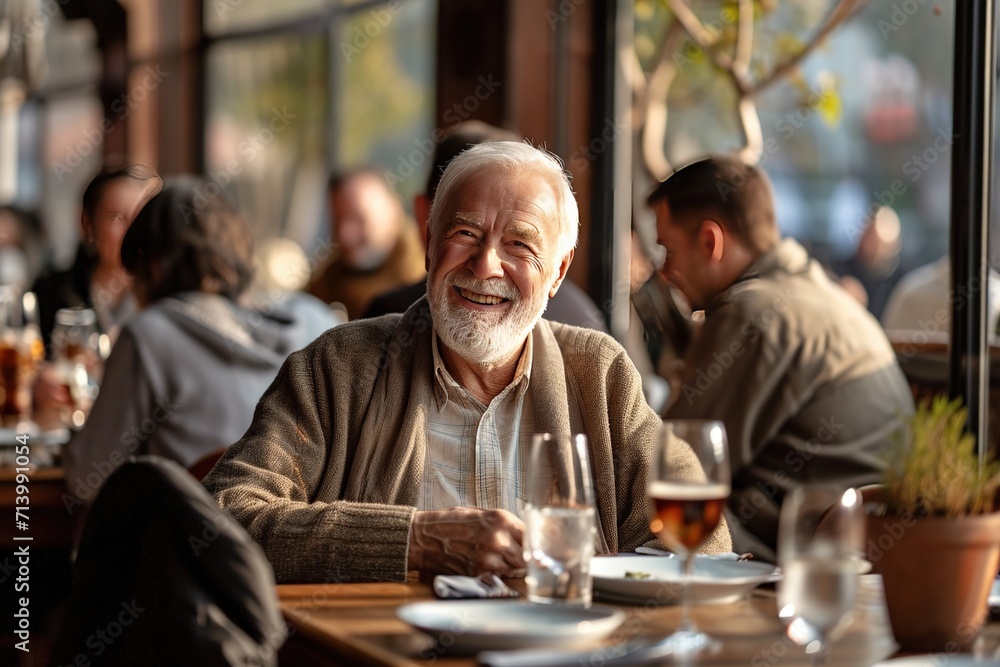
(186, 372)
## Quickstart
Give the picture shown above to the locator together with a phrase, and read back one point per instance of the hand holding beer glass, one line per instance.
(688, 510)
(78, 362)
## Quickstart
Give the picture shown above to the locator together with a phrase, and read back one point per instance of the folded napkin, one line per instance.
(454, 586)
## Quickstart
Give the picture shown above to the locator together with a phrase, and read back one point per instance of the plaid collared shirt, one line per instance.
(474, 451)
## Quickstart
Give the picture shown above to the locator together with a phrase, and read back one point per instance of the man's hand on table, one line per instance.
(467, 540)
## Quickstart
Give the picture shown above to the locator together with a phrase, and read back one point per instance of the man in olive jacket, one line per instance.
(801, 374)
(397, 443)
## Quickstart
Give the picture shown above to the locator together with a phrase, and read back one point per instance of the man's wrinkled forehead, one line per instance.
(473, 209)
(510, 191)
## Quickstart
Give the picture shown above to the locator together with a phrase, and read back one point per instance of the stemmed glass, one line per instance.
(820, 536)
(688, 507)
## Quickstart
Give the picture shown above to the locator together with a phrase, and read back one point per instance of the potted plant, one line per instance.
(934, 534)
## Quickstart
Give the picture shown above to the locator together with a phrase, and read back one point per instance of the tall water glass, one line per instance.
(559, 521)
(820, 533)
(688, 508)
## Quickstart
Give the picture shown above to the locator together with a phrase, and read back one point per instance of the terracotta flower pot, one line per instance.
(937, 574)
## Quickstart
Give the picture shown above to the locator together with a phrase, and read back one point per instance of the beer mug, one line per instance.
(78, 361)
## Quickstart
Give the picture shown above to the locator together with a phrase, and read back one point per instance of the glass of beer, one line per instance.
(688, 504)
(78, 360)
(75, 337)
(21, 353)
(559, 521)
(15, 380)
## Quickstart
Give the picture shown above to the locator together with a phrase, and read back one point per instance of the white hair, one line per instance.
(513, 158)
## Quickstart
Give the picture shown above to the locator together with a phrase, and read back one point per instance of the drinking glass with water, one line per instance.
(559, 521)
(820, 534)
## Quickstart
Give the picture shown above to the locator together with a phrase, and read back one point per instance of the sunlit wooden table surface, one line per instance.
(355, 624)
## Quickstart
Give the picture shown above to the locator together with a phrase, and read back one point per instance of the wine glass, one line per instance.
(688, 507)
(820, 537)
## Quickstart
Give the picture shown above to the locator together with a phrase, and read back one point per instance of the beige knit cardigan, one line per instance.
(327, 475)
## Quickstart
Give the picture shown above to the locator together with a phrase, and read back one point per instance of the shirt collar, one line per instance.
(444, 383)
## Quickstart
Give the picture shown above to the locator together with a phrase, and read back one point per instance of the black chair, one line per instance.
(163, 576)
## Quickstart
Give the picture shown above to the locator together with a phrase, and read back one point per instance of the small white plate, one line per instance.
(939, 660)
(713, 580)
(468, 626)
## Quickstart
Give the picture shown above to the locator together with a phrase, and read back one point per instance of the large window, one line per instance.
(60, 134)
(863, 121)
(265, 129)
(71, 132)
(342, 84)
(385, 93)
(227, 16)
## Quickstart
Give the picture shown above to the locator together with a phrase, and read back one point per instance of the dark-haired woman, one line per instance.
(184, 377)
(96, 279)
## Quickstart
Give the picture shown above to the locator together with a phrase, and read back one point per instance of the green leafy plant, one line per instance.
(935, 470)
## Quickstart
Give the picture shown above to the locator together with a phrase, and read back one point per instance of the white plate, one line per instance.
(468, 626)
(713, 581)
(939, 660)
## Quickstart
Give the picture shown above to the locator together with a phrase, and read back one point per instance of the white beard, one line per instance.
(485, 338)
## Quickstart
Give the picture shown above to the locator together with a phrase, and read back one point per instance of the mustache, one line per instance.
(498, 287)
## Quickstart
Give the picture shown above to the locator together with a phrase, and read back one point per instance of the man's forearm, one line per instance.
(326, 542)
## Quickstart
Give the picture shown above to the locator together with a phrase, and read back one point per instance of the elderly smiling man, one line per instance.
(395, 443)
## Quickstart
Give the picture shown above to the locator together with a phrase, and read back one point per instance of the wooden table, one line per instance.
(50, 524)
(355, 624)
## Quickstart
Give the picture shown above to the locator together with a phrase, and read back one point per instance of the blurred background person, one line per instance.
(570, 305)
(922, 302)
(870, 274)
(184, 377)
(377, 246)
(96, 278)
